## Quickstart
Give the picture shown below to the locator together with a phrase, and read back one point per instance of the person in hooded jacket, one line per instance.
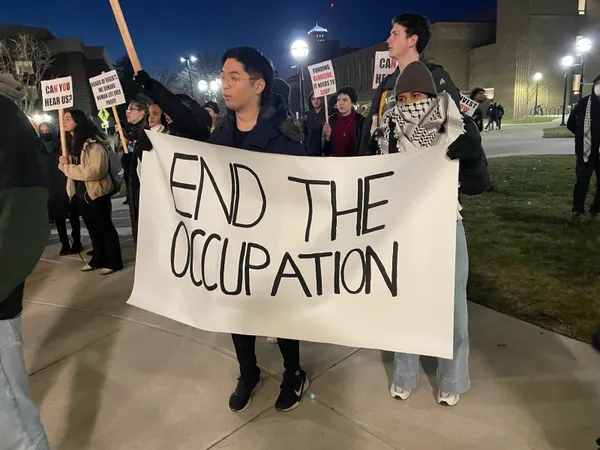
(584, 123)
(59, 207)
(314, 119)
(342, 135)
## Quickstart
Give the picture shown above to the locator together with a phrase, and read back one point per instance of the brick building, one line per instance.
(528, 36)
(71, 57)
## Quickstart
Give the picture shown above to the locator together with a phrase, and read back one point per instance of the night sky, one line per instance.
(162, 31)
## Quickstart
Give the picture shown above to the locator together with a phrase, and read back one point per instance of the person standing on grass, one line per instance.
(23, 236)
(258, 120)
(584, 123)
(90, 185)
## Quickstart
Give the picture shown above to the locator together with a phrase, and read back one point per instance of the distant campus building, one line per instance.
(71, 57)
(501, 56)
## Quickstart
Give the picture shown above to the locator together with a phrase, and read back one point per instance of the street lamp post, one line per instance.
(566, 62)
(582, 46)
(537, 78)
(299, 51)
(215, 85)
(189, 60)
(203, 87)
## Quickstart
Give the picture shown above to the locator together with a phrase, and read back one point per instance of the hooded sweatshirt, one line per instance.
(23, 198)
(313, 128)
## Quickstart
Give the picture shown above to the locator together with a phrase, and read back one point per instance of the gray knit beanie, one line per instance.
(415, 77)
(10, 88)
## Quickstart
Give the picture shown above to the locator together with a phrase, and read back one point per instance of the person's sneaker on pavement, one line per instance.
(241, 399)
(293, 387)
(444, 398)
(399, 393)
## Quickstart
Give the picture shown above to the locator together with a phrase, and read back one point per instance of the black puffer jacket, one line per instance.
(576, 123)
(312, 128)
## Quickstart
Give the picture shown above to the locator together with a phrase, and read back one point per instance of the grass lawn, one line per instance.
(527, 259)
(528, 119)
(557, 132)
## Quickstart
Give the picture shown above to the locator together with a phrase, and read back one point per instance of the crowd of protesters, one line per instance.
(414, 108)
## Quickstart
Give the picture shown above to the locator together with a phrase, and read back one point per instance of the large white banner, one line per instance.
(351, 251)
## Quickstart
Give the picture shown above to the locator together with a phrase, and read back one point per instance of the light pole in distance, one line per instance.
(215, 85)
(566, 62)
(583, 46)
(537, 78)
(299, 50)
(203, 87)
(188, 61)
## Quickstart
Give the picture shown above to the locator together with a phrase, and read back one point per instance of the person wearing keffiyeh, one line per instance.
(584, 122)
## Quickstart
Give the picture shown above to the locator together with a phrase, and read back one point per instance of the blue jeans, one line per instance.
(452, 374)
(20, 427)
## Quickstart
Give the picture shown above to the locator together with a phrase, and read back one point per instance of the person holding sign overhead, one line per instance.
(257, 120)
(90, 185)
(342, 135)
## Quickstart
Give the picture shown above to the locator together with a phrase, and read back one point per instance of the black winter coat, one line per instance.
(312, 128)
(274, 131)
(58, 201)
(329, 147)
(576, 123)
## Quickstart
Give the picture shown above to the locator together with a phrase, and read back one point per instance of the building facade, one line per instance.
(528, 37)
(70, 57)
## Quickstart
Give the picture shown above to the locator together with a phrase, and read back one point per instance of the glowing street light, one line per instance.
(582, 46)
(215, 86)
(537, 78)
(188, 61)
(202, 85)
(299, 50)
(567, 62)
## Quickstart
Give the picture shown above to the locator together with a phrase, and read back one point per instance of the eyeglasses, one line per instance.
(231, 80)
(132, 109)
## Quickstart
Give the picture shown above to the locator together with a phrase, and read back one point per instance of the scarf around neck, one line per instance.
(587, 131)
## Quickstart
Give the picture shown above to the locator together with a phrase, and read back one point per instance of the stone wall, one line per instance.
(482, 65)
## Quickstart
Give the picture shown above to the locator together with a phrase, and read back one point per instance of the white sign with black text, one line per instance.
(57, 94)
(107, 90)
(322, 77)
(384, 65)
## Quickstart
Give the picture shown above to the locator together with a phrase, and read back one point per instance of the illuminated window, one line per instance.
(582, 7)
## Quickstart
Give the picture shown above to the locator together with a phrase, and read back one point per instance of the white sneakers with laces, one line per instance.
(443, 398)
(399, 394)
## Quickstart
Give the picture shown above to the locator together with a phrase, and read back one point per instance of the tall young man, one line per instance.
(408, 39)
(314, 119)
(257, 120)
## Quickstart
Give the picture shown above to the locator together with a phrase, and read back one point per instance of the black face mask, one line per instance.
(47, 137)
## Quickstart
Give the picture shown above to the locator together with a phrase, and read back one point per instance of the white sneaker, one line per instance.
(399, 394)
(447, 399)
(271, 340)
(88, 268)
(106, 271)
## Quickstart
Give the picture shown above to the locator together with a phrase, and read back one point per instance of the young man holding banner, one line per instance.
(257, 120)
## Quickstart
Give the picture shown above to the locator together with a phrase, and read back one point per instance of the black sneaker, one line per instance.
(241, 399)
(292, 388)
(65, 250)
(76, 249)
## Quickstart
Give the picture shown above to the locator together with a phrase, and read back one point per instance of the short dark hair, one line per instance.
(85, 129)
(255, 63)
(350, 92)
(214, 106)
(415, 24)
(475, 92)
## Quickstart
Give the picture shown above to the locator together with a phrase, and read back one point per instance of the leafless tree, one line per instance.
(206, 67)
(28, 60)
(166, 75)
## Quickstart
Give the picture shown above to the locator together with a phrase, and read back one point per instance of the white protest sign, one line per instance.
(352, 251)
(57, 94)
(322, 77)
(468, 106)
(384, 65)
(107, 90)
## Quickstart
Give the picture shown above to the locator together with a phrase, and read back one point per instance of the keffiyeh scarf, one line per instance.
(587, 131)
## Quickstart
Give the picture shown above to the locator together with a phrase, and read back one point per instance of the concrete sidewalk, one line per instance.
(111, 376)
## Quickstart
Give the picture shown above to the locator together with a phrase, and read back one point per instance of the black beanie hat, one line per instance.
(350, 92)
(213, 106)
(415, 77)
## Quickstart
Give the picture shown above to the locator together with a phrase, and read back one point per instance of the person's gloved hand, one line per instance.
(144, 79)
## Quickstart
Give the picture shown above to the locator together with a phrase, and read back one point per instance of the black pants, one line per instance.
(105, 239)
(133, 199)
(126, 163)
(584, 171)
(246, 355)
(61, 227)
(490, 125)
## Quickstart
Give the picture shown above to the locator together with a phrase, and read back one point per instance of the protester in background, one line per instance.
(59, 207)
(499, 115)
(478, 94)
(283, 89)
(584, 123)
(213, 109)
(23, 236)
(492, 115)
(90, 185)
(137, 118)
(257, 120)
(156, 119)
(408, 39)
(342, 135)
(314, 119)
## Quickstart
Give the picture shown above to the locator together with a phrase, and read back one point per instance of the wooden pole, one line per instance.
(121, 134)
(63, 135)
(135, 62)
(326, 110)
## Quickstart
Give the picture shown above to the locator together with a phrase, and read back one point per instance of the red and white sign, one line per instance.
(323, 79)
(468, 106)
(384, 65)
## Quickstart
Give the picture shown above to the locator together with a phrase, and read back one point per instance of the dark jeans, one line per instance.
(490, 125)
(133, 198)
(584, 171)
(61, 227)
(246, 355)
(105, 239)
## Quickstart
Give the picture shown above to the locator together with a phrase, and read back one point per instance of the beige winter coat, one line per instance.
(93, 169)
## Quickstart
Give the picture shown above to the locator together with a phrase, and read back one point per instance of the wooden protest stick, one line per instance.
(63, 135)
(326, 111)
(120, 128)
(135, 62)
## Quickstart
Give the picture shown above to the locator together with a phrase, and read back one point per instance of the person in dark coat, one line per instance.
(59, 207)
(478, 95)
(212, 108)
(584, 123)
(492, 115)
(314, 119)
(342, 135)
(257, 120)
(23, 236)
